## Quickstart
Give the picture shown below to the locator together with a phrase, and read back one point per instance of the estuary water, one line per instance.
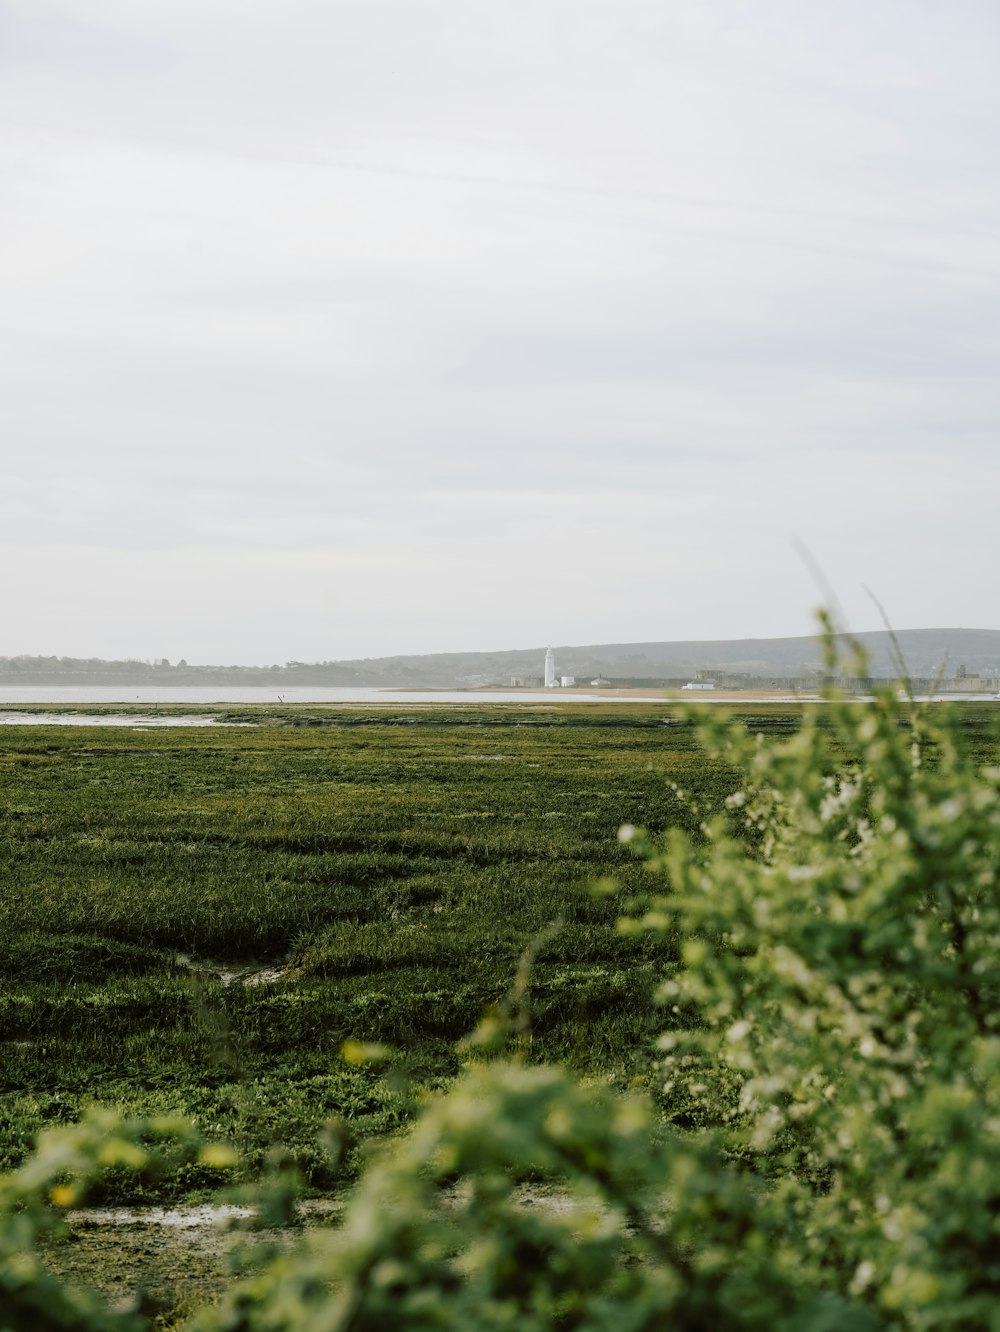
(198, 695)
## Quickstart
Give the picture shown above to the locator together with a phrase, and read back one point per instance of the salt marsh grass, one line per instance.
(389, 869)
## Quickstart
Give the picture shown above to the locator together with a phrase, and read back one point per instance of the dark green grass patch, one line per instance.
(390, 867)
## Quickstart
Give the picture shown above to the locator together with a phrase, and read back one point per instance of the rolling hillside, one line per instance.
(925, 651)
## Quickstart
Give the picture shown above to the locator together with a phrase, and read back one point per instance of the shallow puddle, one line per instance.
(199, 1216)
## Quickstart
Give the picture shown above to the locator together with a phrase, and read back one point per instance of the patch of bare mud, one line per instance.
(176, 1259)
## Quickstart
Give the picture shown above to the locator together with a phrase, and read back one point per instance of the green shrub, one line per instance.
(843, 976)
(68, 1161)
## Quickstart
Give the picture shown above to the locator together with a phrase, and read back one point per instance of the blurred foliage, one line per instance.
(68, 1163)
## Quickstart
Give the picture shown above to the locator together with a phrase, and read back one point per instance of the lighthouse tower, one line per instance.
(550, 669)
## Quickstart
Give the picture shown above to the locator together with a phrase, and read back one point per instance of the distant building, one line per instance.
(699, 684)
(550, 669)
(567, 681)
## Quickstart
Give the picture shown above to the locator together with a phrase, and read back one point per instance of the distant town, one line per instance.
(710, 680)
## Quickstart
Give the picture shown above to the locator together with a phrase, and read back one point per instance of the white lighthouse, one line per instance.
(550, 669)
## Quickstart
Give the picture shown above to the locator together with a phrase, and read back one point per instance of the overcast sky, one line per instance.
(339, 328)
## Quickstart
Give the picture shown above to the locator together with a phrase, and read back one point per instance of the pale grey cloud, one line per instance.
(337, 329)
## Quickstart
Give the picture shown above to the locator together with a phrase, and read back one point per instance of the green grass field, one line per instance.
(393, 865)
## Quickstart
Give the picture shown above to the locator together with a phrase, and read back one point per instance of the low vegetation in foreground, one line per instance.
(801, 990)
(194, 921)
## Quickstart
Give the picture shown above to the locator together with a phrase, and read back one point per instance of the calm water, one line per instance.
(197, 695)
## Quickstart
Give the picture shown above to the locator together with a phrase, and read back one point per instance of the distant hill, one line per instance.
(925, 652)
